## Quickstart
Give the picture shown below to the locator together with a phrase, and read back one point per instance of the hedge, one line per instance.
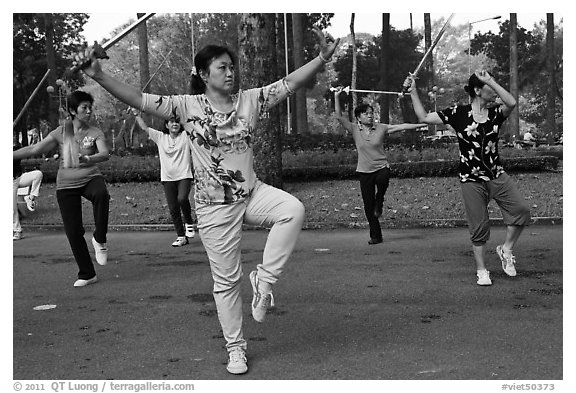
(151, 172)
(417, 169)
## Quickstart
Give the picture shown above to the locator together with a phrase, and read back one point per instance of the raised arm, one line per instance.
(44, 146)
(299, 77)
(505, 96)
(338, 111)
(423, 116)
(91, 67)
(392, 128)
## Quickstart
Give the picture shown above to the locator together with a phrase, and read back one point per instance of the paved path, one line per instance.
(407, 309)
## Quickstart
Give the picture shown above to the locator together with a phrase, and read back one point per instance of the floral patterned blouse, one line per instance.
(478, 142)
(222, 152)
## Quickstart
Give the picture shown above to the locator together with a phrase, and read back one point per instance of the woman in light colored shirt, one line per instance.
(373, 167)
(174, 150)
(227, 192)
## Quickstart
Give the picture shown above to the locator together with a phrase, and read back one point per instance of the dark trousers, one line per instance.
(70, 203)
(177, 197)
(373, 186)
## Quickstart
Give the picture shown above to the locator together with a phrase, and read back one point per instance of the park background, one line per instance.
(301, 147)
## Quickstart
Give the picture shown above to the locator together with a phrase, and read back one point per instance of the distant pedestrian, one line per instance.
(174, 150)
(482, 176)
(373, 167)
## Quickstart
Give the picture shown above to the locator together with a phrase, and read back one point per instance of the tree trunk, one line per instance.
(257, 57)
(551, 93)
(430, 62)
(143, 55)
(354, 61)
(514, 121)
(301, 113)
(385, 67)
(144, 68)
(51, 64)
(429, 66)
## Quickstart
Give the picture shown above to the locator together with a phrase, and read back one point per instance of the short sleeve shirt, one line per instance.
(80, 176)
(477, 142)
(222, 152)
(174, 153)
(370, 147)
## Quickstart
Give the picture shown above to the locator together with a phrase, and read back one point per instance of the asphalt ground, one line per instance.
(408, 309)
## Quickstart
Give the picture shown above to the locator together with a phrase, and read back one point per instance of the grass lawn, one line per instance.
(329, 203)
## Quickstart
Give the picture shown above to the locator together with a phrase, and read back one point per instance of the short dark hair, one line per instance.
(75, 98)
(202, 62)
(474, 82)
(362, 108)
(174, 119)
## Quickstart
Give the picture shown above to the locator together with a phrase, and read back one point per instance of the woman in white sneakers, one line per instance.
(81, 146)
(174, 150)
(482, 176)
(227, 191)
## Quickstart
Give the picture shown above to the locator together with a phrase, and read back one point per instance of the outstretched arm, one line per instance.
(392, 128)
(44, 146)
(423, 116)
(91, 67)
(338, 111)
(299, 77)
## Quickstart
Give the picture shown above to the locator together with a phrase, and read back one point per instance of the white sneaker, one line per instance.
(82, 283)
(483, 277)
(237, 363)
(180, 241)
(30, 203)
(260, 301)
(101, 252)
(190, 232)
(17, 235)
(507, 261)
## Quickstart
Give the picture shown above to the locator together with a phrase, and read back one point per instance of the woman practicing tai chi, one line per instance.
(81, 147)
(227, 191)
(174, 149)
(372, 167)
(482, 176)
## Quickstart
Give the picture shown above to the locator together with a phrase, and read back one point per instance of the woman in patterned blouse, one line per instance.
(482, 176)
(227, 192)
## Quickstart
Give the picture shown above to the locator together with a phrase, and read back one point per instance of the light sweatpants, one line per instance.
(220, 228)
(32, 179)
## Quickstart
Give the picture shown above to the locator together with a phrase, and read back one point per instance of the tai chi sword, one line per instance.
(347, 90)
(100, 51)
(429, 51)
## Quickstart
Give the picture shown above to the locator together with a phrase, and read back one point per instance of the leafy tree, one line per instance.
(403, 43)
(257, 39)
(533, 80)
(30, 58)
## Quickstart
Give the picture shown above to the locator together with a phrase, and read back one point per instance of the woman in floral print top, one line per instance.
(482, 176)
(228, 194)
(478, 142)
